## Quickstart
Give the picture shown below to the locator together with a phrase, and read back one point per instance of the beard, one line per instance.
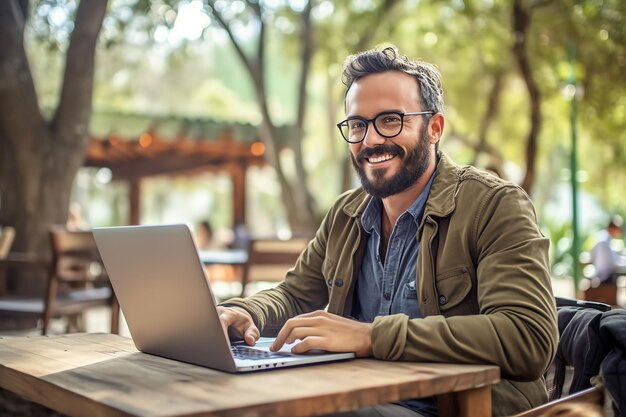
(414, 163)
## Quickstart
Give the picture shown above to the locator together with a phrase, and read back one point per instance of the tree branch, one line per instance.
(74, 110)
(244, 58)
(521, 23)
(490, 114)
(382, 12)
(306, 37)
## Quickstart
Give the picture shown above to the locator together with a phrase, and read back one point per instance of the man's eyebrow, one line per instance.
(377, 114)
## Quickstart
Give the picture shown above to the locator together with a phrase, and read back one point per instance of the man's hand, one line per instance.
(237, 322)
(326, 331)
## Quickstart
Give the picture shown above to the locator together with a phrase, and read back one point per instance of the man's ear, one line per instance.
(435, 127)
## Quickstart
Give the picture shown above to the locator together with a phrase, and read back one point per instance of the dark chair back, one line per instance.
(580, 347)
(269, 259)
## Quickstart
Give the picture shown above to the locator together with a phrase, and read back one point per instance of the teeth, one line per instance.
(376, 159)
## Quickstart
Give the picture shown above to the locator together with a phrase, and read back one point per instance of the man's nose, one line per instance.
(372, 137)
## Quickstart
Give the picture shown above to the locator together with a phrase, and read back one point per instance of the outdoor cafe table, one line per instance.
(104, 375)
(223, 256)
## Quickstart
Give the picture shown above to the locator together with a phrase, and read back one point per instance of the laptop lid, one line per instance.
(163, 290)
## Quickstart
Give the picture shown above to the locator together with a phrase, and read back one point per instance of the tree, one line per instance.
(40, 156)
(300, 206)
(521, 22)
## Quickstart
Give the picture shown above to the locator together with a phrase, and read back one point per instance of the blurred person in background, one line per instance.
(606, 254)
(205, 239)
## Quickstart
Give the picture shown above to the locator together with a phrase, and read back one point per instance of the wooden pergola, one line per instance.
(170, 146)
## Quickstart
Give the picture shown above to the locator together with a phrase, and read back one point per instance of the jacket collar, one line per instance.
(441, 199)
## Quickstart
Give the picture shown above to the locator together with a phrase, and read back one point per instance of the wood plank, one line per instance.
(103, 374)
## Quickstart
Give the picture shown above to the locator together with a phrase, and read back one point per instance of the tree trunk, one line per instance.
(521, 23)
(39, 158)
(299, 205)
(493, 108)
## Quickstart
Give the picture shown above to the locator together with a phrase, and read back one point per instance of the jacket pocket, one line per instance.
(453, 286)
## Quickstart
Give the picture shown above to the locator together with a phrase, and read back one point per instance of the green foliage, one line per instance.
(143, 67)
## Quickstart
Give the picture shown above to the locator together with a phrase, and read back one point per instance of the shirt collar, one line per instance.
(371, 215)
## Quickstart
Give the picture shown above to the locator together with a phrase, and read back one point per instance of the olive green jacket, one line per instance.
(482, 277)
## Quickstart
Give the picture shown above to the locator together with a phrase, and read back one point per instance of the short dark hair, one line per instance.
(389, 59)
(615, 222)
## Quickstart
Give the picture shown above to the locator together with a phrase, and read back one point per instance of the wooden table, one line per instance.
(104, 375)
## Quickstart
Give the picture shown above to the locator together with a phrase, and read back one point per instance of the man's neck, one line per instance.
(395, 205)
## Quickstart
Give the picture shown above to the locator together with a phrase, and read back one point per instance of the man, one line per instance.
(609, 263)
(427, 261)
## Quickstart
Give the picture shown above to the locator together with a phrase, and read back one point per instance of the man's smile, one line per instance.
(380, 158)
(379, 154)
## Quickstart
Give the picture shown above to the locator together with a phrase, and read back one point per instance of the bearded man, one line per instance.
(428, 261)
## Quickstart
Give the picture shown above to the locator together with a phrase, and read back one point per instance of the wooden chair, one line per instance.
(7, 234)
(77, 279)
(13, 309)
(269, 259)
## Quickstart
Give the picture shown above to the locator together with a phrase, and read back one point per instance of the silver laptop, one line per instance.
(168, 304)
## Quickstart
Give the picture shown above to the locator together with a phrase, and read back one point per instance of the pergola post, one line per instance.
(238, 175)
(135, 200)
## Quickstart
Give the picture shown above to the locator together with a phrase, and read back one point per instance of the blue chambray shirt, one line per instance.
(389, 288)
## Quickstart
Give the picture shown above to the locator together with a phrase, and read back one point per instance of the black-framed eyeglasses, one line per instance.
(388, 124)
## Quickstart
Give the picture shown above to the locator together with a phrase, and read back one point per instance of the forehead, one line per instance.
(391, 90)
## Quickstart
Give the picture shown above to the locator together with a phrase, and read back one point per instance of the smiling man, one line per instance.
(427, 261)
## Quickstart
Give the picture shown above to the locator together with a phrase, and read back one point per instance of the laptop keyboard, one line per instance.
(245, 352)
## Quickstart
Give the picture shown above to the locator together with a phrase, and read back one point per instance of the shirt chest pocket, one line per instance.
(453, 288)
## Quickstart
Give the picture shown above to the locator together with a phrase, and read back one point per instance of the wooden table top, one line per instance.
(103, 374)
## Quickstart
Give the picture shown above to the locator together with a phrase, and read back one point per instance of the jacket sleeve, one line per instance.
(303, 290)
(516, 326)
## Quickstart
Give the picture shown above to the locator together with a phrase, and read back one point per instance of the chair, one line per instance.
(7, 234)
(580, 347)
(590, 396)
(16, 308)
(77, 279)
(269, 259)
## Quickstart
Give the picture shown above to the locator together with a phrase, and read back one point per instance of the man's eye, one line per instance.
(390, 119)
(356, 124)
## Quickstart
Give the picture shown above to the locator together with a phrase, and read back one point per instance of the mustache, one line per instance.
(389, 148)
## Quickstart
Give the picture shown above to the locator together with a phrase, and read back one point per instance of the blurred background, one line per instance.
(149, 112)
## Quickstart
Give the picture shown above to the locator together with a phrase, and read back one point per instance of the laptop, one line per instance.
(170, 310)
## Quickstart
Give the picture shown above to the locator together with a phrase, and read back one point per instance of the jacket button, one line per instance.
(442, 299)
(339, 282)
(330, 282)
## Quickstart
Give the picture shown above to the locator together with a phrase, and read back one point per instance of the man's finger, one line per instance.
(301, 333)
(288, 334)
(312, 342)
(251, 335)
(286, 330)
